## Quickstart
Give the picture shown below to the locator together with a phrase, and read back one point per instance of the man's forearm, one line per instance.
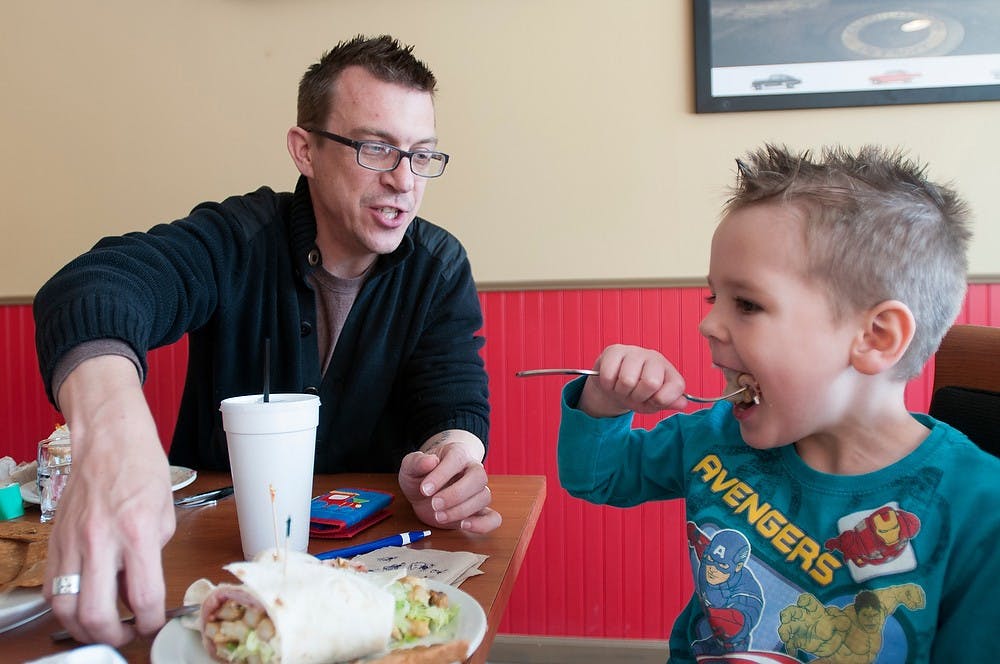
(90, 383)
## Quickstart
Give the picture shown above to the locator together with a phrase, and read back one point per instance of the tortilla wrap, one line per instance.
(320, 613)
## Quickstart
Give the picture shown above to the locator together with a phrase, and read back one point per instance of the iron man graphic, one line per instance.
(877, 539)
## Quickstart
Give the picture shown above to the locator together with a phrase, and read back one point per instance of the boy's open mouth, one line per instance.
(748, 399)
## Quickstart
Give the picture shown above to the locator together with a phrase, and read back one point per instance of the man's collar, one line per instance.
(302, 233)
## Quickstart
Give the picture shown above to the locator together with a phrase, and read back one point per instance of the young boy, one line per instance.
(825, 522)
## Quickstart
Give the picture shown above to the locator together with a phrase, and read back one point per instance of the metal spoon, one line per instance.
(591, 372)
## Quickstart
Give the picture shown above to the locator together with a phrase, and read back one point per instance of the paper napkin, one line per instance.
(451, 567)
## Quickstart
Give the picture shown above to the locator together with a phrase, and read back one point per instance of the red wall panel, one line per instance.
(591, 570)
(25, 415)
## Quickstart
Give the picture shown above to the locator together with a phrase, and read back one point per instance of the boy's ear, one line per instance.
(886, 332)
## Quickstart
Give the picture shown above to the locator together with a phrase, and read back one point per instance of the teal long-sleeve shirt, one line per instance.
(897, 565)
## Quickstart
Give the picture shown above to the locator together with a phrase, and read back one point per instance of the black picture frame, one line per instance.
(943, 51)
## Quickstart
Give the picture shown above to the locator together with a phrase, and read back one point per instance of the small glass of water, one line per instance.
(54, 462)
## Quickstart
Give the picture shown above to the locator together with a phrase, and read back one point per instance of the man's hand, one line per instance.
(632, 378)
(117, 513)
(447, 485)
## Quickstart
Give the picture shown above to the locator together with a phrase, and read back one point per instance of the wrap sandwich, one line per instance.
(311, 611)
(294, 610)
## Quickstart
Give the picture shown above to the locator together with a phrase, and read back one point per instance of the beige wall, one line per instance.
(577, 157)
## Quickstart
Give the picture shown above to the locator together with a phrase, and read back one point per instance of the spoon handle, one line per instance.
(591, 372)
(552, 372)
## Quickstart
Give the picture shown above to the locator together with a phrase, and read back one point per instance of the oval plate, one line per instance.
(21, 605)
(180, 477)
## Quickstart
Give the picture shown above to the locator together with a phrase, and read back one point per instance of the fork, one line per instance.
(591, 372)
(63, 635)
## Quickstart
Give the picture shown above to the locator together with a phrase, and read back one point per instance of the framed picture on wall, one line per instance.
(769, 54)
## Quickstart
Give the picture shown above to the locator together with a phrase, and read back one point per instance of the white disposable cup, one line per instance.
(272, 446)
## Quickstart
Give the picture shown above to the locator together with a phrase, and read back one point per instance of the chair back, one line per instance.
(966, 391)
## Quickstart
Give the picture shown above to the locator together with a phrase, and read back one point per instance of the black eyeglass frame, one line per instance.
(400, 153)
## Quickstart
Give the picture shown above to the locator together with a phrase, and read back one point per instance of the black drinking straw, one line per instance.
(267, 369)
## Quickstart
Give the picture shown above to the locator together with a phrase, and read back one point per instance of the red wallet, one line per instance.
(342, 513)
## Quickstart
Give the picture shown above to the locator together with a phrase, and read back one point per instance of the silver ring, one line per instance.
(66, 585)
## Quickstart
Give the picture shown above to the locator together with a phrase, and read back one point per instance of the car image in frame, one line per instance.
(776, 80)
(893, 76)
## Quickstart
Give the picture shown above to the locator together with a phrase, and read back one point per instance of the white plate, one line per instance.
(180, 477)
(19, 606)
(176, 643)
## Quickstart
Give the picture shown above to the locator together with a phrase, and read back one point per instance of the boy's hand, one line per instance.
(632, 378)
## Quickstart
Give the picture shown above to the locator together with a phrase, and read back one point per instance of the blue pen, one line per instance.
(401, 539)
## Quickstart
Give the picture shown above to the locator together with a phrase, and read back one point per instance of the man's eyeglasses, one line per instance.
(378, 156)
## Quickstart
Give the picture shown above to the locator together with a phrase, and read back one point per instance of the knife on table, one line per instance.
(208, 496)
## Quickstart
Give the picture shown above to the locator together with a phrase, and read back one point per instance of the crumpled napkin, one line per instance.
(17, 473)
(93, 654)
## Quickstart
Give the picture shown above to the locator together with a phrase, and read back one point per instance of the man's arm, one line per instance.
(446, 483)
(445, 373)
(445, 480)
(116, 514)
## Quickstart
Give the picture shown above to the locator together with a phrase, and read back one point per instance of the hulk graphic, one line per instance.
(851, 635)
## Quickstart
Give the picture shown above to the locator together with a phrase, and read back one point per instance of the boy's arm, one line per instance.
(969, 611)
(606, 461)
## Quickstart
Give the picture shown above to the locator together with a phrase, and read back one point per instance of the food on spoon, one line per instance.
(752, 393)
(306, 610)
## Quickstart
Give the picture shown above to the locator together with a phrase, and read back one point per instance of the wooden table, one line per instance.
(208, 538)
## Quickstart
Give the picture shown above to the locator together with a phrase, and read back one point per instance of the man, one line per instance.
(364, 304)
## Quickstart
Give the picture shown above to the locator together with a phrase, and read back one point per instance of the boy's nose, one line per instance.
(709, 326)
